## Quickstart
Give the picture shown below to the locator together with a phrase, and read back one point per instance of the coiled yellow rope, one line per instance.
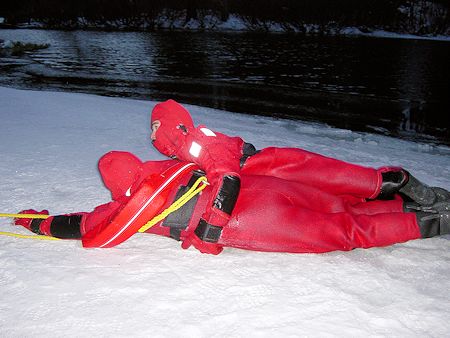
(194, 190)
(198, 186)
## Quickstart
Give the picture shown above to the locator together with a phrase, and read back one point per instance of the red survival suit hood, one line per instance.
(176, 122)
(119, 171)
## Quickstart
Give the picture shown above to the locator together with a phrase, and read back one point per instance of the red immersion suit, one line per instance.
(270, 214)
(286, 199)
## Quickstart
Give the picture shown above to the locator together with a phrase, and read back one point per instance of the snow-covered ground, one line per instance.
(150, 287)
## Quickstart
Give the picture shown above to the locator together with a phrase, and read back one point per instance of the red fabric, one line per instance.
(216, 162)
(119, 171)
(324, 185)
(45, 224)
(221, 154)
(328, 174)
(303, 219)
(217, 154)
(170, 135)
(122, 173)
(26, 222)
(271, 214)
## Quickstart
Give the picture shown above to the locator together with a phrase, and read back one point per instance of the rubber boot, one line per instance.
(432, 221)
(423, 194)
(442, 195)
(392, 181)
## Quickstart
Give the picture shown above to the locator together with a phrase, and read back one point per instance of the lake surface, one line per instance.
(391, 86)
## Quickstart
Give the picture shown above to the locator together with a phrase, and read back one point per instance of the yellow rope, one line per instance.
(194, 190)
(42, 237)
(198, 186)
(25, 216)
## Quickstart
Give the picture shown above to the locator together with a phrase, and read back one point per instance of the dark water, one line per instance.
(391, 86)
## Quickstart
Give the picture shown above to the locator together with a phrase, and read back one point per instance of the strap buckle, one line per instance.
(208, 232)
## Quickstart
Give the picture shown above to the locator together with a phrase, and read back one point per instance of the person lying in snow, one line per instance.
(283, 200)
(225, 159)
(270, 214)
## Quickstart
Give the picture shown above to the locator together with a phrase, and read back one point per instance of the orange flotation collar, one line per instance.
(149, 199)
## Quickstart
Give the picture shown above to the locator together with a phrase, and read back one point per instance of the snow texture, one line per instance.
(150, 287)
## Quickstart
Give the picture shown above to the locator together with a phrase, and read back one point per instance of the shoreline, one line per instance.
(236, 25)
(426, 139)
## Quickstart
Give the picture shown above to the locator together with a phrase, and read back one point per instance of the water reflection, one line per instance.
(419, 95)
(394, 86)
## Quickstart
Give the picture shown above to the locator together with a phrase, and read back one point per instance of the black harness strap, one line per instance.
(208, 232)
(225, 200)
(248, 150)
(179, 219)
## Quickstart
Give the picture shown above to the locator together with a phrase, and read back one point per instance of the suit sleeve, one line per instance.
(219, 156)
(223, 172)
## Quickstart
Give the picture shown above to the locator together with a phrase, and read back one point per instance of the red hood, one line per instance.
(169, 136)
(119, 170)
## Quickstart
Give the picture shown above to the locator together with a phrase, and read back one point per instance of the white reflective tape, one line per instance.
(207, 132)
(195, 149)
(128, 192)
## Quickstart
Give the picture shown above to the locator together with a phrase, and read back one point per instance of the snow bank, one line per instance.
(148, 286)
(238, 24)
(354, 31)
(173, 20)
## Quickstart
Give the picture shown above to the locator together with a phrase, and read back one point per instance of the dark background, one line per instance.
(416, 16)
